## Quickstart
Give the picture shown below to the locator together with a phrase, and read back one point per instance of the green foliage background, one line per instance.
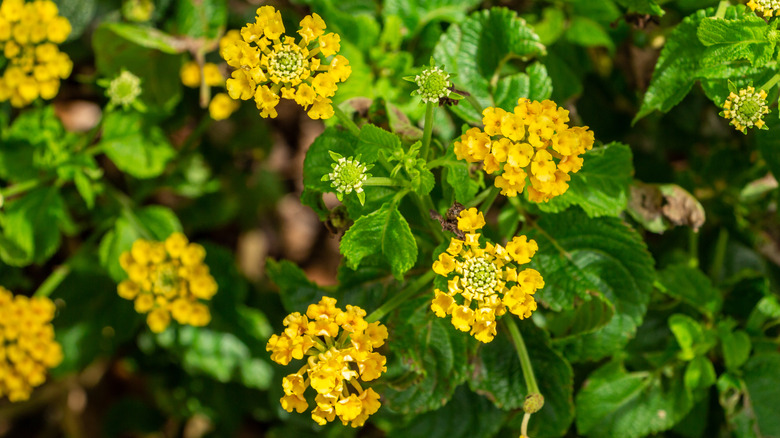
(660, 315)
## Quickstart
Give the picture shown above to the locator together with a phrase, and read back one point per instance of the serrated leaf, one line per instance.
(534, 84)
(763, 388)
(476, 51)
(477, 418)
(586, 317)
(578, 254)
(429, 359)
(295, 289)
(600, 188)
(373, 140)
(415, 15)
(675, 71)
(498, 375)
(459, 178)
(384, 232)
(692, 286)
(31, 226)
(731, 40)
(614, 403)
(134, 146)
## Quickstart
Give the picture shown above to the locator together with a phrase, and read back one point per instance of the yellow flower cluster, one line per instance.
(168, 279)
(269, 63)
(339, 345)
(27, 345)
(765, 7)
(486, 276)
(534, 141)
(29, 34)
(221, 105)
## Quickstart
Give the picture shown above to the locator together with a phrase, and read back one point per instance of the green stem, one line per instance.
(474, 104)
(722, 6)
(771, 82)
(693, 248)
(19, 188)
(346, 121)
(480, 198)
(398, 299)
(491, 197)
(721, 245)
(425, 208)
(52, 281)
(383, 181)
(522, 353)
(427, 131)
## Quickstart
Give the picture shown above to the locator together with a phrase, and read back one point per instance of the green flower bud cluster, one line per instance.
(348, 175)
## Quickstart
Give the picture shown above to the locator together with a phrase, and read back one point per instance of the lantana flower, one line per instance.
(168, 279)
(483, 280)
(29, 34)
(27, 345)
(339, 347)
(534, 142)
(270, 65)
(746, 108)
(765, 7)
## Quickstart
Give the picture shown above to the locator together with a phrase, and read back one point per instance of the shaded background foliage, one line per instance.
(646, 327)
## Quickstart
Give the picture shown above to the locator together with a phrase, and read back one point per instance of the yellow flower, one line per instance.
(222, 106)
(270, 65)
(746, 109)
(29, 34)
(339, 345)
(190, 74)
(766, 7)
(168, 279)
(532, 144)
(485, 275)
(27, 345)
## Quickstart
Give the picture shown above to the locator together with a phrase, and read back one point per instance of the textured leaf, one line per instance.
(148, 37)
(731, 40)
(428, 361)
(384, 232)
(762, 380)
(534, 84)
(642, 6)
(134, 146)
(477, 51)
(459, 178)
(619, 404)
(498, 375)
(30, 227)
(415, 14)
(374, 139)
(692, 286)
(676, 69)
(477, 418)
(295, 289)
(600, 188)
(201, 18)
(586, 317)
(578, 254)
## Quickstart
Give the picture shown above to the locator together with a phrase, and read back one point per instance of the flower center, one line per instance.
(480, 277)
(348, 175)
(433, 84)
(166, 279)
(288, 63)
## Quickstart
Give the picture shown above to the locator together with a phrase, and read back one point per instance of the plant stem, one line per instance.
(427, 131)
(522, 354)
(52, 281)
(722, 6)
(480, 198)
(524, 426)
(19, 188)
(489, 200)
(398, 299)
(425, 204)
(346, 121)
(771, 82)
(720, 254)
(693, 248)
(383, 181)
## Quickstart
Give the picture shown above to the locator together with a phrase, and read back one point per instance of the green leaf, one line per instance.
(692, 286)
(148, 54)
(318, 163)
(384, 232)
(692, 338)
(428, 361)
(588, 33)
(478, 50)
(550, 27)
(498, 375)
(295, 289)
(600, 188)
(79, 13)
(134, 146)
(769, 144)
(699, 374)
(374, 140)
(586, 317)
(31, 226)
(642, 6)
(155, 221)
(477, 418)
(534, 84)
(578, 254)
(731, 40)
(763, 387)
(200, 18)
(415, 14)
(736, 345)
(676, 69)
(619, 404)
